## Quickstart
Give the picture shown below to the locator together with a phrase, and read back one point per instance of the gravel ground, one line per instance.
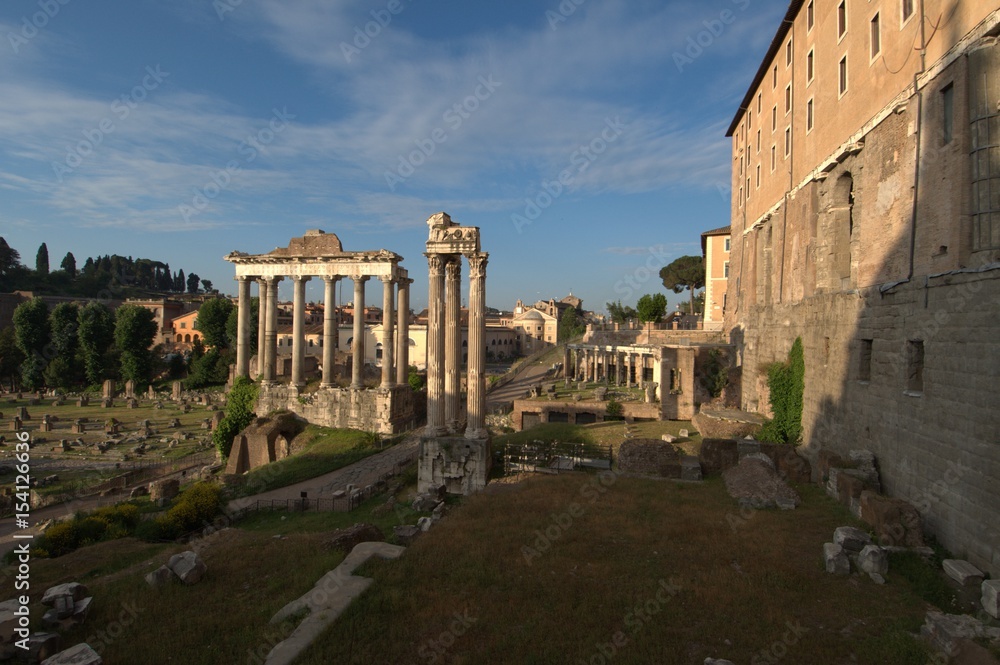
(754, 483)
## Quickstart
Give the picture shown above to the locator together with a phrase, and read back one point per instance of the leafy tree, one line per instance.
(212, 319)
(651, 307)
(69, 265)
(62, 371)
(135, 329)
(685, 273)
(42, 261)
(179, 282)
(31, 329)
(618, 313)
(11, 357)
(570, 325)
(240, 405)
(210, 368)
(233, 321)
(699, 305)
(415, 379)
(96, 334)
(192, 283)
(10, 258)
(206, 285)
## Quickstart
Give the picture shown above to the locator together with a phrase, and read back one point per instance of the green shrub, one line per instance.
(194, 508)
(239, 413)
(58, 539)
(613, 411)
(786, 382)
(716, 375)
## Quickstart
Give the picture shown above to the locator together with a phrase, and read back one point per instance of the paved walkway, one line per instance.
(359, 474)
(525, 379)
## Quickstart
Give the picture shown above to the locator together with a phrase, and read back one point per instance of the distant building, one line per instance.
(715, 245)
(183, 332)
(536, 329)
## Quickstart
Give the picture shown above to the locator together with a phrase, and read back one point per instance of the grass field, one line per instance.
(556, 569)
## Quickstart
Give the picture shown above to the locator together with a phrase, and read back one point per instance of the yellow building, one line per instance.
(865, 220)
(715, 252)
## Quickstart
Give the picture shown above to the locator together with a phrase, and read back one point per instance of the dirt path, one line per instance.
(518, 386)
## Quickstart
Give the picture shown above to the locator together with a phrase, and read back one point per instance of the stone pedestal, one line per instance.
(462, 465)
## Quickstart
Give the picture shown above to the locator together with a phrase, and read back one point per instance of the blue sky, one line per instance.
(586, 139)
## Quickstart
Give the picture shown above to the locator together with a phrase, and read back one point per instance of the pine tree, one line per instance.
(69, 265)
(42, 261)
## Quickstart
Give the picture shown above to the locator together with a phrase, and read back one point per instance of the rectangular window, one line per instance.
(788, 98)
(809, 116)
(748, 188)
(788, 53)
(758, 102)
(758, 141)
(810, 16)
(728, 242)
(826, 350)
(774, 118)
(788, 141)
(876, 36)
(774, 150)
(749, 119)
(915, 365)
(948, 113)
(758, 176)
(810, 66)
(906, 11)
(841, 19)
(865, 360)
(843, 75)
(725, 269)
(774, 77)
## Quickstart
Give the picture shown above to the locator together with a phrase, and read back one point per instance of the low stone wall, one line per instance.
(386, 411)
(528, 413)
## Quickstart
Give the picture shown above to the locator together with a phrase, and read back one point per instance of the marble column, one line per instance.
(435, 346)
(298, 330)
(242, 328)
(261, 325)
(452, 343)
(331, 330)
(403, 331)
(388, 320)
(565, 363)
(628, 370)
(358, 343)
(476, 405)
(271, 331)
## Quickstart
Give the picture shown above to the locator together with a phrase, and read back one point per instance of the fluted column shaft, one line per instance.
(435, 346)
(330, 330)
(452, 343)
(261, 325)
(403, 331)
(388, 320)
(242, 328)
(476, 406)
(298, 330)
(271, 332)
(358, 344)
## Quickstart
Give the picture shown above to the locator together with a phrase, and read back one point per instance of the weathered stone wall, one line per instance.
(385, 411)
(834, 265)
(573, 410)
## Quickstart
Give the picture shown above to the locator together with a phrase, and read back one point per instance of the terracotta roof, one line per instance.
(721, 231)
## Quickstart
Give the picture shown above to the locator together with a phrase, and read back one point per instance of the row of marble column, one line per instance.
(395, 363)
(597, 364)
(444, 346)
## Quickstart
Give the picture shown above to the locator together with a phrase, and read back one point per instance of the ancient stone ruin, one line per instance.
(388, 409)
(452, 453)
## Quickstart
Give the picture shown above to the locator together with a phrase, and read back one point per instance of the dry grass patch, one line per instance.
(605, 565)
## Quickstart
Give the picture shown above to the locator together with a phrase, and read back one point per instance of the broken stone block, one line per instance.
(873, 559)
(81, 654)
(835, 559)
(962, 572)
(425, 523)
(895, 521)
(188, 566)
(75, 590)
(51, 620)
(424, 503)
(946, 631)
(159, 577)
(991, 598)
(81, 608)
(406, 533)
(669, 438)
(851, 539)
(63, 607)
(347, 539)
(690, 468)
